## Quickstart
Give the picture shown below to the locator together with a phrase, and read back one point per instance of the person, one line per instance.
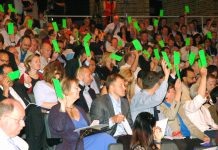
(43, 90)
(152, 94)
(114, 27)
(145, 134)
(11, 123)
(87, 94)
(45, 54)
(65, 117)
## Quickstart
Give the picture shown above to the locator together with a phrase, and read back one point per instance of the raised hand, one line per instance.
(203, 72)
(165, 69)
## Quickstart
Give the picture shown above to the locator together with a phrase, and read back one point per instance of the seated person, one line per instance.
(152, 94)
(145, 134)
(65, 117)
(43, 90)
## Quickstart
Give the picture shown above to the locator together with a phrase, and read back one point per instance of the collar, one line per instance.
(113, 99)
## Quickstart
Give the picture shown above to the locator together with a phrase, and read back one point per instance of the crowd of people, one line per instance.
(133, 92)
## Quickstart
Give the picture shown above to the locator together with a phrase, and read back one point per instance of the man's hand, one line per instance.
(203, 72)
(118, 118)
(6, 83)
(165, 69)
(206, 139)
(178, 85)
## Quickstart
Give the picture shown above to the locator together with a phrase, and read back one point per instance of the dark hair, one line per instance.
(28, 32)
(112, 78)
(2, 68)
(214, 94)
(2, 39)
(141, 74)
(184, 72)
(3, 52)
(150, 79)
(23, 37)
(143, 130)
(211, 69)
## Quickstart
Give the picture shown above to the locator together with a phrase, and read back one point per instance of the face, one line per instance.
(184, 30)
(131, 59)
(34, 46)
(87, 77)
(92, 66)
(46, 50)
(118, 87)
(170, 94)
(144, 37)
(35, 63)
(25, 45)
(211, 84)
(114, 42)
(191, 78)
(14, 121)
(164, 31)
(4, 59)
(74, 93)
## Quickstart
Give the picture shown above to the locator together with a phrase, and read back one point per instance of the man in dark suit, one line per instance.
(87, 94)
(112, 108)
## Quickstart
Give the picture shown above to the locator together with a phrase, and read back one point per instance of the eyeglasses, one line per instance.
(3, 60)
(17, 120)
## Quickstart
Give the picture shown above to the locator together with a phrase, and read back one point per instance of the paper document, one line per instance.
(162, 124)
(127, 127)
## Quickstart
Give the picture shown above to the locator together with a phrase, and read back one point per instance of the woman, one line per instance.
(44, 92)
(145, 135)
(32, 74)
(65, 117)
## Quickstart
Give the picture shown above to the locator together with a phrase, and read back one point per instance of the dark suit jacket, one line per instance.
(81, 102)
(102, 109)
(61, 126)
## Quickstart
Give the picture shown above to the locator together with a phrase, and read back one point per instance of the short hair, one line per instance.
(4, 52)
(211, 76)
(66, 84)
(150, 79)
(214, 94)
(25, 37)
(81, 70)
(51, 69)
(2, 68)
(112, 78)
(6, 107)
(184, 72)
(28, 60)
(141, 74)
(211, 69)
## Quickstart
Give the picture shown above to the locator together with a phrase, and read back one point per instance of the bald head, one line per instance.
(12, 116)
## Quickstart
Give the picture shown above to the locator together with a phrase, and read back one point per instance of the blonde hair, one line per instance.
(128, 76)
(105, 58)
(66, 85)
(28, 60)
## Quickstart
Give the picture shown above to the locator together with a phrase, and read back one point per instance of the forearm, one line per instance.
(135, 64)
(202, 87)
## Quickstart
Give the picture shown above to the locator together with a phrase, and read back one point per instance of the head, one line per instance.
(129, 58)
(188, 76)
(214, 94)
(140, 76)
(84, 75)
(170, 93)
(46, 50)
(114, 42)
(144, 36)
(116, 18)
(4, 70)
(12, 116)
(151, 81)
(143, 129)
(1, 41)
(183, 29)
(115, 84)
(4, 58)
(34, 45)
(92, 65)
(211, 83)
(212, 69)
(53, 70)
(25, 43)
(32, 62)
(71, 89)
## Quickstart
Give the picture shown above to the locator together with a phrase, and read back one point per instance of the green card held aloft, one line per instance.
(56, 46)
(87, 49)
(116, 57)
(10, 28)
(187, 9)
(156, 22)
(30, 23)
(14, 75)
(176, 58)
(161, 43)
(177, 71)
(203, 58)
(156, 54)
(58, 88)
(199, 63)
(129, 18)
(10, 7)
(87, 38)
(2, 9)
(136, 25)
(209, 35)
(55, 26)
(146, 53)
(187, 41)
(165, 57)
(161, 13)
(191, 58)
(120, 43)
(64, 23)
(137, 45)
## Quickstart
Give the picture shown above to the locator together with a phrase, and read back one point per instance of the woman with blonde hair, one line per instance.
(128, 75)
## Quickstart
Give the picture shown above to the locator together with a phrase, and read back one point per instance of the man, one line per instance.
(112, 108)
(45, 54)
(96, 82)
(152, 94)
(23, 50)
(87, 94)
(4, 58)
(144, 39)
(11, 123)
(114, 27)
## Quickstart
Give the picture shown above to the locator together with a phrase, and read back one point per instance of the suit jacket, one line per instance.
(61, 126)
(102, 109)
(81, 102)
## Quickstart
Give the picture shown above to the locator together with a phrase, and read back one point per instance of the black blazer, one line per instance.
(81, 102)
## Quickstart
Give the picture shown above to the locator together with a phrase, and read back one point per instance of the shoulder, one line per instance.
(137, 147)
